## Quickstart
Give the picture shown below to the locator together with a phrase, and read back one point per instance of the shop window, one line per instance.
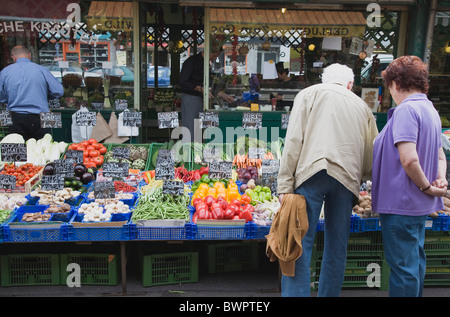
(439, 69)
(91, 56)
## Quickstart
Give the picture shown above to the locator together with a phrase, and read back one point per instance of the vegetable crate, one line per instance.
(55, 229)
(118, 228)
(111, 146)
(437, 243)
(170, 268)
(95, 269)
(360, 272)
(30, 269)
(359, 244)
(160, 232)
(233, 256)
(437, 270)
(228, 232)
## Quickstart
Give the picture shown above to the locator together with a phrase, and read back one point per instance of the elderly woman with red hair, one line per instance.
(408, 175)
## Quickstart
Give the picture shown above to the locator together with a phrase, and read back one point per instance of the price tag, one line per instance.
(220, 170)
(85, 118)
(64, 167)
(132, 119)
(256, 152)
(74, 155)
(121, 152)
(51, 120)
(269, 170)
(284, 121)
(54, 103)
(121, 104)
(14, 152)
(165, 165)
(168, 120)
(5, 118)
(104, 190)
(252, 120)
(7, 182)
(115, 169)
(172, 187)
(97, 105)
(211, 154)
(209, 119)
(52, 182)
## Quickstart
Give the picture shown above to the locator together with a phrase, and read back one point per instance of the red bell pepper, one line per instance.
(223, 203)
(217, 213)
(229, 213)
(245, 214)
(209, 200)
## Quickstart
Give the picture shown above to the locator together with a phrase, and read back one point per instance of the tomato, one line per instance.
(81, 148)
(90, 164)
(96, 146)
(73, 146)
(92, 141)
(94, 153)
(102, 149)
(90, 148)
(84, 143)
(98, 160)
(85, 153)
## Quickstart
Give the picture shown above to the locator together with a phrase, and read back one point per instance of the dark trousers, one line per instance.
(27, 125)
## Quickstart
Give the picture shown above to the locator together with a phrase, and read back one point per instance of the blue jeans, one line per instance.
(317, 190)
(403, 240)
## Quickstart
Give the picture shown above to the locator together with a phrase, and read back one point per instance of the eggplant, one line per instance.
(87, 178)
(79, 169)
(49, 169)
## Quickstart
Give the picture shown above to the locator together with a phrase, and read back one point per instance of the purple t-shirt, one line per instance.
(393, 192)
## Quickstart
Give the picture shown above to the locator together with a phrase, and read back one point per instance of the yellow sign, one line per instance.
(289, 30)
(110, 24)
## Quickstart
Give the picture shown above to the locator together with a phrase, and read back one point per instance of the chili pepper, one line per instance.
(120, 186)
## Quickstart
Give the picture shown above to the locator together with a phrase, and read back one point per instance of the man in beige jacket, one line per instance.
(327, 153)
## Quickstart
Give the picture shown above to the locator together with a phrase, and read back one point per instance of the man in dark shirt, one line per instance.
(191, 83)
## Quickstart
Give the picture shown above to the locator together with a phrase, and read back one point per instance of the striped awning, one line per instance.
(312, 23)
(110, 16)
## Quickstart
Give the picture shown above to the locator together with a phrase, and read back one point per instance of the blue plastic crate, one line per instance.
(118, 228)
(14, 230)
(161, 233)
(260, 232)
(196, 232)
(130, 202)
(445, 223)
(433, 224)
(370, 224)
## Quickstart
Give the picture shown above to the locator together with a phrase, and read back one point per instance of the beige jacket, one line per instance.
(329, 128)
(289, 226)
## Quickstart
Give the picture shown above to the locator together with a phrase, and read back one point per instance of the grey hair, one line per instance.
(19, 50)
(338, 74)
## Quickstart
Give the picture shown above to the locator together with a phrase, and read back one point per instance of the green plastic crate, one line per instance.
(359, 244)
(95, 269)
(438, 270)
(170, 268)
(357, 272)
(232, 257)
(30, 269)
(437, 243)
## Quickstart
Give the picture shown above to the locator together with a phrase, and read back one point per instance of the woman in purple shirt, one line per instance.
(408, 175)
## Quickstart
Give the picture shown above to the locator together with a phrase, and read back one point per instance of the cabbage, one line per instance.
(13, 138)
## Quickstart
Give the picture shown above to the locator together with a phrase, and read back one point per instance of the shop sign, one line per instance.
(110, 24)
(288, 30)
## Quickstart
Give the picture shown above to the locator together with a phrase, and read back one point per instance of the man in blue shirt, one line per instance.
(26, 87)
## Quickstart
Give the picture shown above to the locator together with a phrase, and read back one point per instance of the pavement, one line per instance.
(262, 282)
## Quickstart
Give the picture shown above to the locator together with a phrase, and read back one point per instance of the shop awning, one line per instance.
(110, 16)
(312, 23)
(33, 10)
